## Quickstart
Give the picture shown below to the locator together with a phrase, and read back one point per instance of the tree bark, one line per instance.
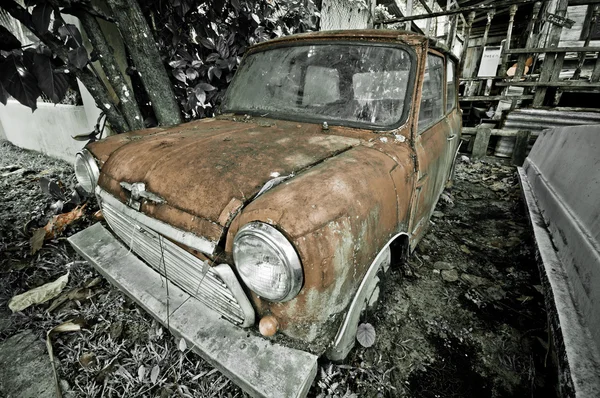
(128, 105)
(89, 80)
(144, 52)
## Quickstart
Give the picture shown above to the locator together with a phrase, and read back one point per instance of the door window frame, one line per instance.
(444, 91)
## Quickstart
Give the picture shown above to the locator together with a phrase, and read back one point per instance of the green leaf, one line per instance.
(54, 85)
(205, 87)
(200, 95)
(191, 73)
(179, 75)
(78, 57)
(3, 94)
(365, 335)
(19, 82)
(71, 34)
(8, 41)
(41, 17)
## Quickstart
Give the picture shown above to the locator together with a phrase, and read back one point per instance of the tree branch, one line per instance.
(96, 87)
(144, 52)
(128, 105)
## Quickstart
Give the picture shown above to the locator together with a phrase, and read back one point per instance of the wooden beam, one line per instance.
(553, 50)
(482, 140)
(494, 98)
(564, 83)
(469, 131)
(582, 2)
(461, 10)
(520, 150)
(552, 40)
(504, 57)
(463, 54)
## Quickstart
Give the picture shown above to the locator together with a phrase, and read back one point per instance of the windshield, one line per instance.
(359, 84)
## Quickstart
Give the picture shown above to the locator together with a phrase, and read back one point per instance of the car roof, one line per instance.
(370, 35)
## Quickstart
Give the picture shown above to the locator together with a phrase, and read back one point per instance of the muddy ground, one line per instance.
(464, 318)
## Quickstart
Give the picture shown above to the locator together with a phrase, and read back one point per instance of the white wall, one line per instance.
(48, 129)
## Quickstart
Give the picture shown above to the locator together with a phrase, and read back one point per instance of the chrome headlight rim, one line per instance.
(92, 169)
(279, 243)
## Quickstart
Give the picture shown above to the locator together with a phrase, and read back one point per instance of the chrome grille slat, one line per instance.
(182, 268)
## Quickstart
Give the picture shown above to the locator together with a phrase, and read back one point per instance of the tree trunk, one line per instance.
(127, 104)
(89, 80)
(142, 48)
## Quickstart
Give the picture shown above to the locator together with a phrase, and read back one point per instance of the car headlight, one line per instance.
(267, 262)
(86, 170)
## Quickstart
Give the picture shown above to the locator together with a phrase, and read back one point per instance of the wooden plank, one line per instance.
(596, 73)
(552, 50)
(504, 57)
(558, 64)
(520, 150)
(482, 140)
(553, 39)
(493, 132)
(482, 7)
(564, 83)
(582, 2)
(463, 55)
(494, 98)
(528, 44)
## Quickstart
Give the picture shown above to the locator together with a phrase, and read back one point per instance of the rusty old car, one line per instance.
(259, 235)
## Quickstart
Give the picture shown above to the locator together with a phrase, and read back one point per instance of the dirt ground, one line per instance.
(464, 318)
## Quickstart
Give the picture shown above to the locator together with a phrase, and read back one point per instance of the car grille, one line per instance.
(191, 274)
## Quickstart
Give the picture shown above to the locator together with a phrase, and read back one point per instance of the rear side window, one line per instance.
(432, 96)
(450, 86)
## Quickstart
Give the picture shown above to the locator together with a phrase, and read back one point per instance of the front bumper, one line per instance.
(259, 367)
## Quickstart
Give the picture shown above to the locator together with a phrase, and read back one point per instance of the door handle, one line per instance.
(453, 136)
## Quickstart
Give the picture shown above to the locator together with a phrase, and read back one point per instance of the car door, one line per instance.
(430, 144)
(453, 116)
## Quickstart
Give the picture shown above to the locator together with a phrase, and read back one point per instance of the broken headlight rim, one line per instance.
(276, 279)
(86, 170)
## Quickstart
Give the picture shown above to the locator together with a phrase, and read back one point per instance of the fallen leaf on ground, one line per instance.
(98, 215)
(58, 223)
(365, 335)
(182, 345)
(69, 326)
(38, 295)
(37, 240)
(154, 374)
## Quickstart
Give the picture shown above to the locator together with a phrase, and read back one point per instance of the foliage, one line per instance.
(26, 72)
(203, 41)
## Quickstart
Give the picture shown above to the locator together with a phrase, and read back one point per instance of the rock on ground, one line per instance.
(25, 368)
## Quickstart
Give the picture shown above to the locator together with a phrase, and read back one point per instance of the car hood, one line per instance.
(210, 169)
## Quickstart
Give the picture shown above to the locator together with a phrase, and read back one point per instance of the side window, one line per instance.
(450, 86)
(432, 96)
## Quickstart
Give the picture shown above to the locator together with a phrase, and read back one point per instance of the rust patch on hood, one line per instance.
(206, 169)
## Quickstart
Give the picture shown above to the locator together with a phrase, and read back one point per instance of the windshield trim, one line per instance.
(318, 119)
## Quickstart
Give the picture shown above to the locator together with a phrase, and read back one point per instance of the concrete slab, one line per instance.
(560, 181)
(25, 368)
(261, 368)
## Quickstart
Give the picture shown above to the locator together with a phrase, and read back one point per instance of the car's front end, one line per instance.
(272, 219)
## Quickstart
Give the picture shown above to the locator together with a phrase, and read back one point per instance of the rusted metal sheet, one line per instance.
(200, 171)
(338, 215)
(536, 120)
